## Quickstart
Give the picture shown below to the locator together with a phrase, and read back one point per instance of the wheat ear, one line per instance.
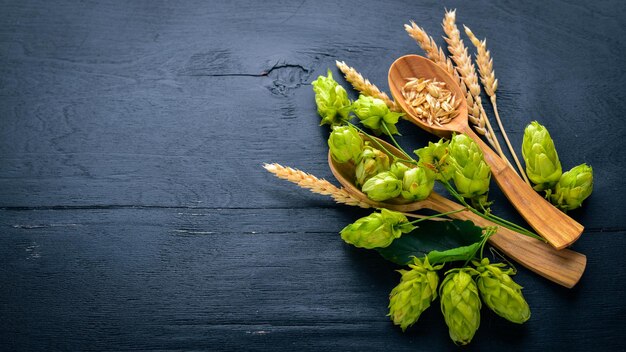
(365, 86)
(490, 84)
(435, 54)
(314, 184)
(467, 71)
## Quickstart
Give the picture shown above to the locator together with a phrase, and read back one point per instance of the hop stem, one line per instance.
(436, 216)
(372, 138)
(489, 231)
(495, 219)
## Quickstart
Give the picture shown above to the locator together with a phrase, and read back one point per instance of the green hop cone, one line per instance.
(417, 183)
(460, 305)
(542, 162)
(471, 173)
(345, 143)
(376, 230)
(417, 289)
(573, 188)
(435, 157)
(371, 162)
(500, 292)
(332, 100)
(373, 113)
(398, 169)
(383, 186)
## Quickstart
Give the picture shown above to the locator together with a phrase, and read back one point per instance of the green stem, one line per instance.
(488, 232)
(394, 140)
(507, 222)
(495, 219)
(515, 228)
(436, 216)
(375, 140)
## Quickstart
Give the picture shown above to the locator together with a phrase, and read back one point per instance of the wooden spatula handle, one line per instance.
(557, 228)
(564, 267)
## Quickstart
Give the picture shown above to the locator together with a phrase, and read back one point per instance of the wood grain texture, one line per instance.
(135, 213)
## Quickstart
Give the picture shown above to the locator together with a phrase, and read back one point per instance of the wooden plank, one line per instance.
(134, 212)
(144, 126)
(183, 279)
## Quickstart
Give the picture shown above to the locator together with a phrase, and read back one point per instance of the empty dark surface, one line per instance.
(135, 214)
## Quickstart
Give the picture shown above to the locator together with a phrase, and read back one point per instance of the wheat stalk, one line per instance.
(490, 84)
(365, 86)
(435, 54)
(467, 71)
(314, 184)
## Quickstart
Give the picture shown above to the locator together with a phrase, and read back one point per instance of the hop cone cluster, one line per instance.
(382, 186)
(332, 100)
(345, 143)
(373, 113)
(435, 157)
(417, 289)
(417, 183)
(398, 169)
(376, 230)
(501, 293)
(471, 173)
(542, 162)
(371, 162)
(573, 187)
(460, 305)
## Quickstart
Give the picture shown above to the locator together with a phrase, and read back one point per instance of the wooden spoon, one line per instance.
(565, 267)
(557, 228)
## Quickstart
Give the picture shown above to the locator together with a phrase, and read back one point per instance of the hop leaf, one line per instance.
(332, 100)
(501, 293)
(573, 188)
(417, 183)
(383, 186)
(434, 157)
(376, 230)
(542, 162)
(460, 305)
(417, 289)
(345, 143)
(371, 162)
(471, 173)
(373, 113)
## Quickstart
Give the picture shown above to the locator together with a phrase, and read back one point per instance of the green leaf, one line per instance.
(442, 241)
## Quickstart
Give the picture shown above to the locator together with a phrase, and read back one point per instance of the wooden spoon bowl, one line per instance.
(564, 267)
(556, 227)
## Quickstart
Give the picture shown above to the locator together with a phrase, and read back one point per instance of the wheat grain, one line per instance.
(430, 101)
(435, 54)
(314, 184)
(364, 86)
(467, 71)
(490, 84)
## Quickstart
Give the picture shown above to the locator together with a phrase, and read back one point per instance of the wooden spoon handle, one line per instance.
(564, 267)
(557, 228)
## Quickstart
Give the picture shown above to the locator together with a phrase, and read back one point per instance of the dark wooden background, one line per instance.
(135, 214)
